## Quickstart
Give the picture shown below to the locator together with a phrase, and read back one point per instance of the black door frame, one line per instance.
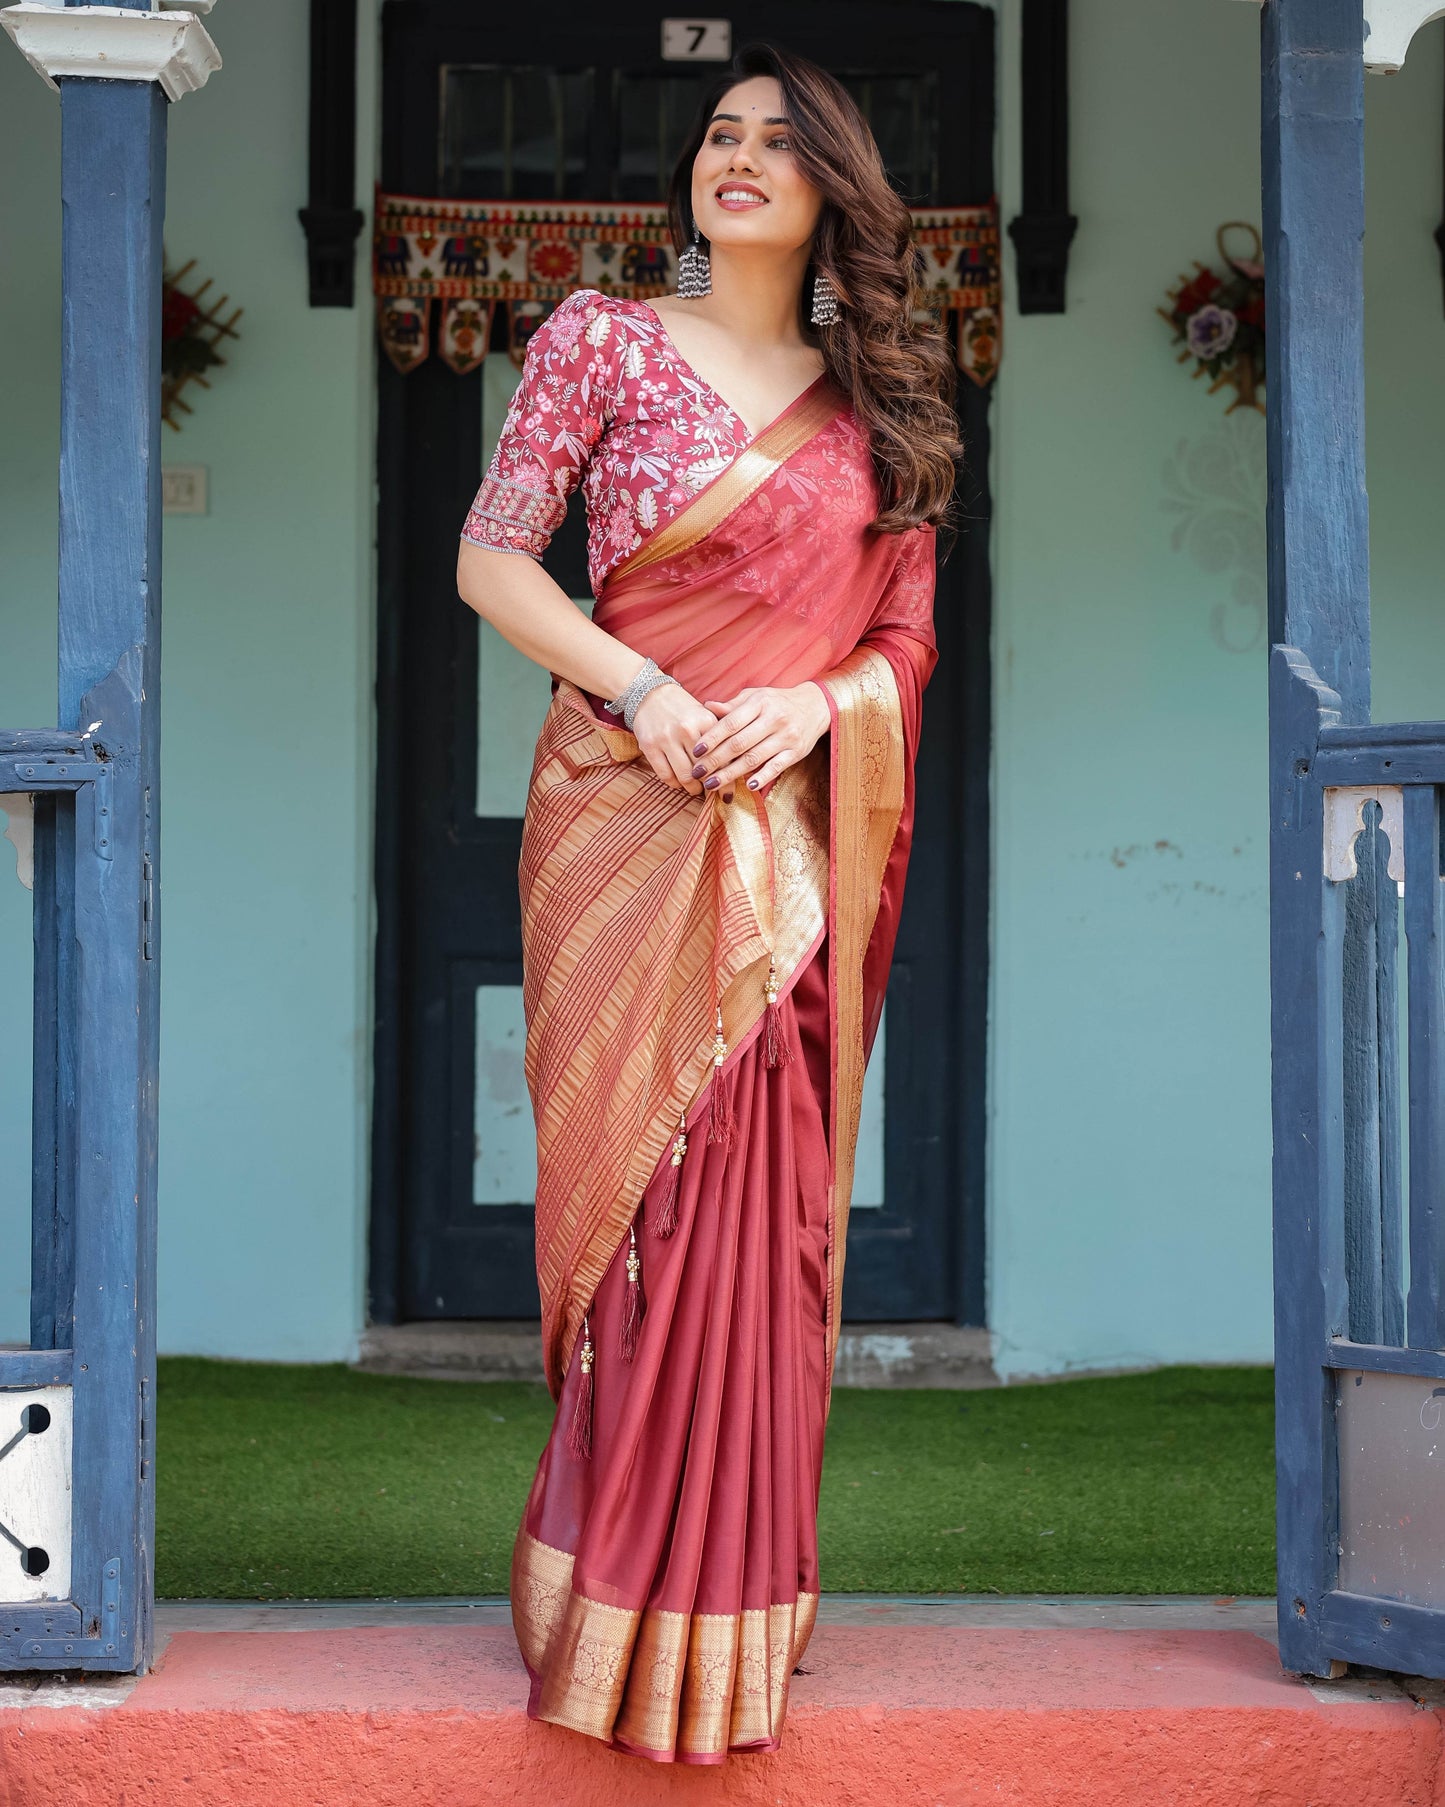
(949, 868)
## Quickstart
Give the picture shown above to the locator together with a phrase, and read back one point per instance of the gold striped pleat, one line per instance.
(690, 1684)
(641, 905)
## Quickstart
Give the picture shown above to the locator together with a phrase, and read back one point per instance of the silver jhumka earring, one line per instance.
(825, 300)
(694, 270)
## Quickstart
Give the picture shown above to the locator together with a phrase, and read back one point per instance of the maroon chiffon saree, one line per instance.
(702, 982)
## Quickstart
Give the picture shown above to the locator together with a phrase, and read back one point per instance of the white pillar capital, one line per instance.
(114, 43)
(1389, 27)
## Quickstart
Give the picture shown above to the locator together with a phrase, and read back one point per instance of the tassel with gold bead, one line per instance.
(633, 1304)
(665, 1221)
(579, 1432)
(776, 1051)
(721, 1122)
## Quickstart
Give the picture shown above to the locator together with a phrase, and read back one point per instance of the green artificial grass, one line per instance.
(284, 1482)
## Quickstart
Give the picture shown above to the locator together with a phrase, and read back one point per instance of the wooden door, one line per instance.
(472, 109)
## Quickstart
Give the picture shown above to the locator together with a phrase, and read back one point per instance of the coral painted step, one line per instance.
(433, 1715)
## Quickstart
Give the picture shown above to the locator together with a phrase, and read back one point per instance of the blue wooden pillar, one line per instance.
(96, 784)
(1317, 525)
(1313, 158)
(113, 138)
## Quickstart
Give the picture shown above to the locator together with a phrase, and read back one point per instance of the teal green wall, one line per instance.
(1129, 1214)
(266, 746)
(29, 451)
(1129, 1121)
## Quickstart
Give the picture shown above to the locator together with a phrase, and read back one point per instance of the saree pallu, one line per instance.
(702, 982)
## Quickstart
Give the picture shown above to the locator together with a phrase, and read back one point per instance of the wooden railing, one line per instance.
(1359, 1165)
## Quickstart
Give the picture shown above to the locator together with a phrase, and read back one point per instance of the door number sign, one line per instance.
(697, 40)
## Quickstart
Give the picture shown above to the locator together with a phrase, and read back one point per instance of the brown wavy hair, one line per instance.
(899, 374)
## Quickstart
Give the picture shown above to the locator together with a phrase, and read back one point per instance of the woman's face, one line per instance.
(746, 155)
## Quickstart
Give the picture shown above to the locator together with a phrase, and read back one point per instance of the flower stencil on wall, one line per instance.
(1219, 316)
(191, 330)
(1214, 487)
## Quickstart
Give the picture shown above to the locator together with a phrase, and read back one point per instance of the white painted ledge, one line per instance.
(113, 43)
(174, 6)
(1389, 27)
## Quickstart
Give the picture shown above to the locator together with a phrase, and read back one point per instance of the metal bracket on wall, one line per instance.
(331, 219)
(64, 766)
(104, 812)
(1044, 230)
(1440, 229)
(106, 1632)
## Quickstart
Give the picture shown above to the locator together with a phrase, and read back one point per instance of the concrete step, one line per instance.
(869, 1355)
(937, 1703)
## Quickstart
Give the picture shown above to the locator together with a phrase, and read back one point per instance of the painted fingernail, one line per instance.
(699, 771)
(699, 749)
(727, 796)
(711, 784)
(752, 784)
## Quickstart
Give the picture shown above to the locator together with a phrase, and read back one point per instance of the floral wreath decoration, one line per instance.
(1220, 318)
(192, 328)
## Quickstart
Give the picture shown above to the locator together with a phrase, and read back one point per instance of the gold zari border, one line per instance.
(869, 763)
(681, 1684)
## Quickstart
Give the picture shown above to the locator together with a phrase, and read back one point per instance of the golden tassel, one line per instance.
(666, 1220)
(721, 1122)
(776, 1050)
(579, 1432)
(634, 1305)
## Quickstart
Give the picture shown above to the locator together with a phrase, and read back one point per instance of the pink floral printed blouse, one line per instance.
(605, 398)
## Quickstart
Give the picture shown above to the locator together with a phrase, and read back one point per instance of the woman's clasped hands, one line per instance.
(708, 746)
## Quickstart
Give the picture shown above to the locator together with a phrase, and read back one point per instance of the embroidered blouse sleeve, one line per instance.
(557, 415)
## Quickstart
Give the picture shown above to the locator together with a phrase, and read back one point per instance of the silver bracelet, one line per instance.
(650, 676)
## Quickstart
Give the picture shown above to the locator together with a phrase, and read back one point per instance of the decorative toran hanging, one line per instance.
(473, 256)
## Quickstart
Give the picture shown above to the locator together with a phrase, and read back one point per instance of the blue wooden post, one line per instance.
(1314, 222)
(97, 864)
(113, 137)
(1317, 525)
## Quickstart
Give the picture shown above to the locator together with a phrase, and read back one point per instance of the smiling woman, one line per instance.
(704, 958)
